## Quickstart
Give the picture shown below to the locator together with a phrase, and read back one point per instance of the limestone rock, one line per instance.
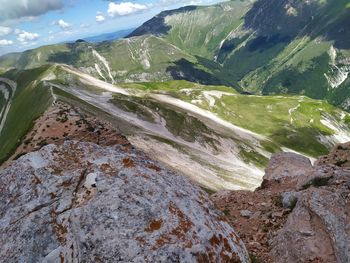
(80, 202)
(304, 210)
(289, 199)
(318, 230)
(288, 167)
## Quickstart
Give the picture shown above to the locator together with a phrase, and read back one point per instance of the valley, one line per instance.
(218, 137)
(216, 133)
(210, 96)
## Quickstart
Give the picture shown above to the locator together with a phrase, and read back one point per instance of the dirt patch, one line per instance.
(63, 122)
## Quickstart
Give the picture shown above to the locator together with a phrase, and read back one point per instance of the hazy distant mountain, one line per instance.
(109, 36)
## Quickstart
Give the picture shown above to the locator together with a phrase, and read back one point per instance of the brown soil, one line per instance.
(63, 122)
(256, 216)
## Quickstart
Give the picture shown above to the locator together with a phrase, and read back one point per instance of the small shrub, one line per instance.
(226, 212)
(255, 259)
(316, 182)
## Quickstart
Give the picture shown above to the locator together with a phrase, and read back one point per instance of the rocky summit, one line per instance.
(301, 213)
(81, 202)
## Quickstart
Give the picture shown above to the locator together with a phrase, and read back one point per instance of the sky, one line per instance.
(26, 24)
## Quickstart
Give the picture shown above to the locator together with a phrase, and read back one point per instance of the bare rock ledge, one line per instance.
(80, 202)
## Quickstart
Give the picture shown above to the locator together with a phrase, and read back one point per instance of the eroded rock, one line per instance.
(80, 202)
(303, 211)
(288, 167)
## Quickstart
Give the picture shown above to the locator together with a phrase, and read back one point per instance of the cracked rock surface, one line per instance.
(301, 213)
(80, 202)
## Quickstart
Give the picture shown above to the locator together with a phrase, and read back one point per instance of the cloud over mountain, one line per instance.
(16, 9)
(126, 8)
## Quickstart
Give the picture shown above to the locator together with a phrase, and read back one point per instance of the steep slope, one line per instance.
(199, 30)
(267, 47)
(299, 214)
(261, 47)
(25, 99)
(214, 135)
(297, 47)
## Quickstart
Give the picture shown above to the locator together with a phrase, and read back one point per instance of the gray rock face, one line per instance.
(80, 202)
(317, 229)
(288, 167)
(289, 199)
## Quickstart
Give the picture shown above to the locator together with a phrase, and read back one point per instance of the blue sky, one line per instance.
(26, 24)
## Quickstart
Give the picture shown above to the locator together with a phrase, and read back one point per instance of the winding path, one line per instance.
(8, 89)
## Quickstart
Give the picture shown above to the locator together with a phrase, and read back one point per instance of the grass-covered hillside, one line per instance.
(258, 46)
(23, 99)
(215, 135)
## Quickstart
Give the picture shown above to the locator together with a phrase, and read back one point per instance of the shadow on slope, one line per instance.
(157, 26)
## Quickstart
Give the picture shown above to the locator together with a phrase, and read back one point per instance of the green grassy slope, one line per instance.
(289, 121)
(29, 102)
(263, 47)
(226, 137)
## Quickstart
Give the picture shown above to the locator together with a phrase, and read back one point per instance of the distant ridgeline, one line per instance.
(261, 47)
(177, 86)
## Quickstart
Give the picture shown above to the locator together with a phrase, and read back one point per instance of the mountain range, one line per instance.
(211, 91)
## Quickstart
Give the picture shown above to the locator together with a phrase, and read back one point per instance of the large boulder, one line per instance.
(80, 202)
(317, 230)
(288, 168)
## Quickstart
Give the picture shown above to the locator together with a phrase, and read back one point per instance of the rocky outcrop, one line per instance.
(288, 167)
(303, 211)
(318, 228)
(81, 202)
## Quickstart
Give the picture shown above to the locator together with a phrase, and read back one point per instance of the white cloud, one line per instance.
(4, 42)
(17, 9)
(25, 36)
(5, 30)
(100, 18)
(123, 9)
(63, 24)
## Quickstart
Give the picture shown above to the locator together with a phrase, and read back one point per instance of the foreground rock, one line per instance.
(80, 202)
(301, 213)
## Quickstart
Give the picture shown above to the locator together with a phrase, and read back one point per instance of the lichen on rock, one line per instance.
(80, 202)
